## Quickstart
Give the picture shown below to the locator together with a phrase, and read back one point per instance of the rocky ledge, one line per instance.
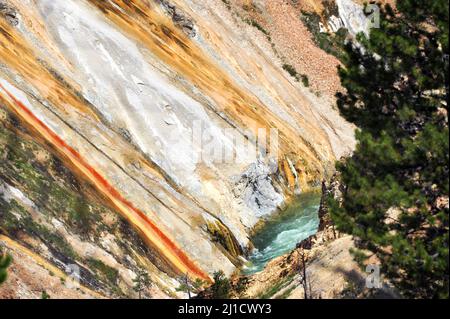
(180, 18)
(9, 13)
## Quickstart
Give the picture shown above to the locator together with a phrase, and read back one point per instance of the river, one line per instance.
(283, 231)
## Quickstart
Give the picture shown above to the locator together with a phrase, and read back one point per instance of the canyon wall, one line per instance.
(117, 90)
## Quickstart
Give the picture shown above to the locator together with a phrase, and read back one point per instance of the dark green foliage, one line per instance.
(293, 72)
(256, 25)
(198, 284)
(10, 224)
(227, 4)
(48, 184)
(194, 287)
(259, 27)
(290, 69)
(5, 262)
(333, 44)
(104, 271)
(45, 295)
(81, 216)
(141, 282)
(397, 181)
(221, 288)
(190, 287)
(305, 80)
(277, 287)
(58, 194)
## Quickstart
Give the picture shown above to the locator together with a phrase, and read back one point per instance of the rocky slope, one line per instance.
(100, 105)
(324, 259)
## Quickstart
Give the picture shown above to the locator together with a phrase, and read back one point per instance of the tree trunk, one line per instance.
(188, 286)
(305, 285)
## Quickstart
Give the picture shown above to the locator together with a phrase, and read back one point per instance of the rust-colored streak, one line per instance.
(147, 227)
(149, 27)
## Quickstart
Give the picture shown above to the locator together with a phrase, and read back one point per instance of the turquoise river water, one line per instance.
(284, 230)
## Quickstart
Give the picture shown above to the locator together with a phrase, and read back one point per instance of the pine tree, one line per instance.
(397, 181)
(141, 282)
(5, 262)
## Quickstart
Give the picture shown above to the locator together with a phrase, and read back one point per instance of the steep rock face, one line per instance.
(353, 17)
(254, 190)
(55, 225)
(128, 84)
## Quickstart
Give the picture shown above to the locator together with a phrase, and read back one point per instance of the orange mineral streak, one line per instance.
(149, 27)
(30, 17)
(16, 53)
(150, 231)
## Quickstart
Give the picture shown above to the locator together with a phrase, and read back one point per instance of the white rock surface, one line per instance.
(143, 143)
(353, 17)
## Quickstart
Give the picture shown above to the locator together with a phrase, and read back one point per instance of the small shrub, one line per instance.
(141, 282)
(291, 70)
(305, 80)
(227, 4)
(5, 262)
(259, 27)
(45, 295)
(221, 287)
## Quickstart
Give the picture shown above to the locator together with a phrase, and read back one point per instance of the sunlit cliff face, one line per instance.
(123, 86)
